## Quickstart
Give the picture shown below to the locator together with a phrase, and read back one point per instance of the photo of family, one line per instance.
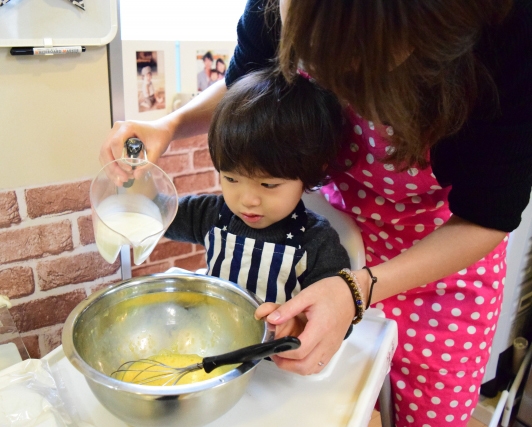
(150, 80)
(211, 66)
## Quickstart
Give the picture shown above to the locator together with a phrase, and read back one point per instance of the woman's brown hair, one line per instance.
(407, 63)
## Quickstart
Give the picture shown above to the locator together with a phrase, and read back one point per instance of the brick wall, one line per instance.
(48, 258)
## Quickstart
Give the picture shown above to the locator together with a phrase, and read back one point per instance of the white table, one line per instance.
(343, 394)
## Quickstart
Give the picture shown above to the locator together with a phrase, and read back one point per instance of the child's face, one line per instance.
(260, 201)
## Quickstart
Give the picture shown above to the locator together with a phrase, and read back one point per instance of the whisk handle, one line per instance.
(252, 352)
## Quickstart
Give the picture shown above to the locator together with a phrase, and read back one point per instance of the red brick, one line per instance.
(199, 141)
(202, 159)
(55, 199)
(191, 263)
(8, 209)
(35, 242)
(17, 282)
(169, 250)
(195, 183)
(46, 311)
(178, 163)
(50, 340)
(73, 269)
(145, 270)
(86, 232)
(31, 343)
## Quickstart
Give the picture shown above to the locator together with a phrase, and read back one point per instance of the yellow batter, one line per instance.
(152, 374)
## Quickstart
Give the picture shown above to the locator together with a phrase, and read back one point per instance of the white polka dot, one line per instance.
(419, 228)
(389, 167)
(433, 322)
(439, 386)
(405, 360)
(399, 207)
(436, 307)
(358, 130)
(405, 371)
(472, 388)
(449, 418)
(354, 147)
(410, 418)
(421, 379)
(446, 357)
(414, 317)
(399, 227)
(457, 389)
(408, 347)
(435, 400)
(411, 332)
(468, 403)
(380, 200)
(412, 171)
(430, 338)
(426, 352)
(344, 186)
(416, 199)
(383, 235)
(388, 180)
(482, 345)
(375, 216)
(389, 130)
(471, 330)
(456, 312)
(481, 270)
(424, 366)
(401, 384)
(453, 327)
(413, 406)
(463, 360)
(449, 342)
(460, 374)
(475, 315)
(438, 221)
(417, 393)
(369, 158)
(443, 371)
(460, 283)
(368, 184)
(418, 302)
(396, 311)
(459, 296)
(371, 141)
(468, 345)
(477, 283)
(371, 125)
(388, 191)
(411, 186)
(479, 300)
(431, 414)
(463, 417)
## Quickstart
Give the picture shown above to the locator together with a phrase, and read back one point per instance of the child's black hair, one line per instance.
(266, 126)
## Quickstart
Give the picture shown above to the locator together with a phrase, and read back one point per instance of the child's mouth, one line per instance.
(252, 218)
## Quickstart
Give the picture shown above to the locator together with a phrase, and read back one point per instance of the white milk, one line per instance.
(127, 219)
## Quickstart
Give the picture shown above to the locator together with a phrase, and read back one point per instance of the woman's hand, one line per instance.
(156, 136)
(319, 316)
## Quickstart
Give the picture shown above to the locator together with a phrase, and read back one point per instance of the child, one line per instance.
(148, 90)
(270, 142)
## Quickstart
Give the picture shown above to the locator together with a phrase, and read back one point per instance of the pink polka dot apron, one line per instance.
(445, 328)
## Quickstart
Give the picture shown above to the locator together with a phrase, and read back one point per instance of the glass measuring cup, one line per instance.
(136, 212)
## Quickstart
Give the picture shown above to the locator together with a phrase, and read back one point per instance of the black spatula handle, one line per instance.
(253, 352)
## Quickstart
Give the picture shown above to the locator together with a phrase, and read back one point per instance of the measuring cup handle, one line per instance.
(253, 352)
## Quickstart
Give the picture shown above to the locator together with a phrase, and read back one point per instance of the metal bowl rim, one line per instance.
(98, 377)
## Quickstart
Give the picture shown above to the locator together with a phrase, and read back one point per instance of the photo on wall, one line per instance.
(211, 66)
(151, 86)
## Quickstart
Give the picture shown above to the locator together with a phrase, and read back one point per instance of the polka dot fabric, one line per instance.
(445, 328)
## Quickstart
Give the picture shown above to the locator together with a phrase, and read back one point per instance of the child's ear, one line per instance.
(324, 167)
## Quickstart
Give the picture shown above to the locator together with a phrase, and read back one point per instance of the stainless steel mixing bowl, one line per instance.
(140, 317)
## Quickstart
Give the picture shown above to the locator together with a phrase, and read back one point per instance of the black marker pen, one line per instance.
(58, 50)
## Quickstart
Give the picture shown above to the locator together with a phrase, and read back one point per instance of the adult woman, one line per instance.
(440, 103)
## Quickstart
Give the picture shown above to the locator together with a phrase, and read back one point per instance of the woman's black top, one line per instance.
(488, 163)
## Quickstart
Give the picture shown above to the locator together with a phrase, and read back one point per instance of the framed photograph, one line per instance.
(202, 63)
(149, 78)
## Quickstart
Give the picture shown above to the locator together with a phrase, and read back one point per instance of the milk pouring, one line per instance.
(134, 213)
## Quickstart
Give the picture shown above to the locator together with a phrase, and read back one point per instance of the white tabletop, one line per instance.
(343, 394)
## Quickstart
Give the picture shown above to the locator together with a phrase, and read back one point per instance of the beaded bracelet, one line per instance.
(355, 288)
(373, 281)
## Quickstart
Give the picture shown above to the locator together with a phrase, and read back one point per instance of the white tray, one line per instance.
(343, 394)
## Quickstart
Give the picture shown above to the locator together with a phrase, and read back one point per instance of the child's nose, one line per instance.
(250, 198)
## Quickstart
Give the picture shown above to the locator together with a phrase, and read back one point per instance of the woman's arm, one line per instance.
(192, 119)
(328, 304)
